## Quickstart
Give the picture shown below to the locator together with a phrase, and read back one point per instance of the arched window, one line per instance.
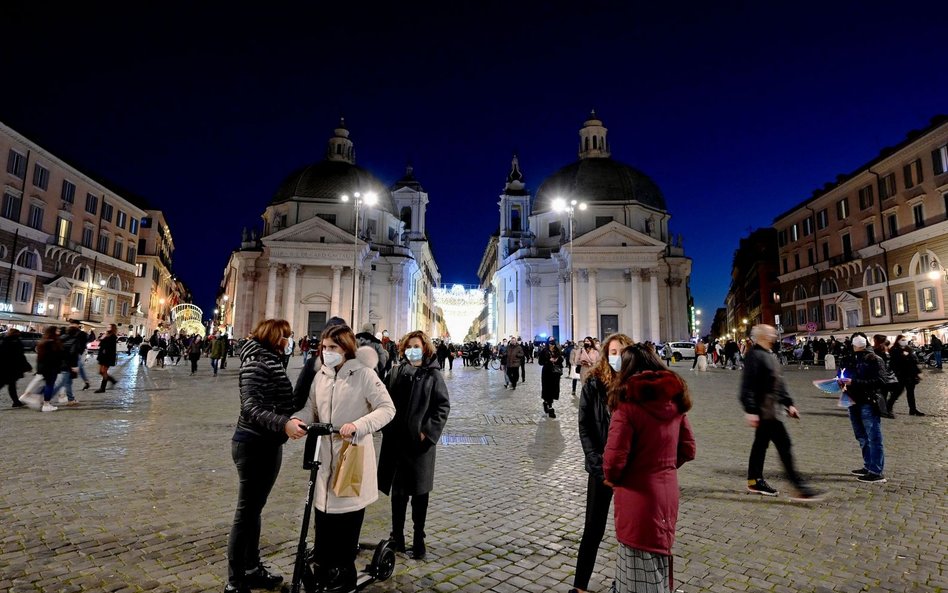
(878, 275)
(828, 286)
(799, 293)
(28, 259)
(867, 280)
(595, 138)
(113, 282)
(82, 273)
(339, 149)
(405, 217)
(587, 143)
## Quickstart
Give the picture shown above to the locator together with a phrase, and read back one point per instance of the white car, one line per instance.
(681, 350)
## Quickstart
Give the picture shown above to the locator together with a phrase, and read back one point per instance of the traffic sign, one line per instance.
(811, 327)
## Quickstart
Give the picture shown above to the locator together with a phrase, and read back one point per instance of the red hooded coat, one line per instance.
(649, 439)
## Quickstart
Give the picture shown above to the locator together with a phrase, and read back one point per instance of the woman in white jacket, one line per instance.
(347, 393)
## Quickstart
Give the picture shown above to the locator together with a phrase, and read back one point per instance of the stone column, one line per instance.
(593, 294)
(289, 308)
(635, 304)
(653, 307)
(271, 290)
(574, 321)
(336, 291)
(354, 312)
(562, 311)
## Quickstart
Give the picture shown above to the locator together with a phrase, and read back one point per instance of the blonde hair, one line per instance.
(270, 332)
(603, 372)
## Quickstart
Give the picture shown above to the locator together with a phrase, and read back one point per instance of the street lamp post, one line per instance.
(370, 199)
(561, 205)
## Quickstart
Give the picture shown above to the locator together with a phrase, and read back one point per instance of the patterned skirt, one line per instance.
(642, 572)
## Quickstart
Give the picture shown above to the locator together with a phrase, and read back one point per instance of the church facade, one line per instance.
(365, 257)
(589, 254)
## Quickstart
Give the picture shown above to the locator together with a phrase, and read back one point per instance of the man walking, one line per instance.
(764, 397)
(936, 350)
(514, 360)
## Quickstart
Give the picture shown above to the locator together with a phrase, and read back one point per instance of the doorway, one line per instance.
(608, 325)
(316, 323)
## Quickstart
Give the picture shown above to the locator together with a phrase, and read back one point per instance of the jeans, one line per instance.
(938, 358)
(868, 430)
(214, 363)
(258, 465)
(598, 498)
(768, 431)
(82, 372)
(65, 382)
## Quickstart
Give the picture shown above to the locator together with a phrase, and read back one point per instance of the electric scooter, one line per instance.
(383, 560)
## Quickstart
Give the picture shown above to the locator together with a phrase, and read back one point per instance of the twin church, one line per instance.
(590, 253)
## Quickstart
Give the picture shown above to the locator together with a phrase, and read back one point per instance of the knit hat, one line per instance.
(859, 342)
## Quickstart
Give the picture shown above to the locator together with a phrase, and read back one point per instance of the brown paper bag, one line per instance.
(348, 478)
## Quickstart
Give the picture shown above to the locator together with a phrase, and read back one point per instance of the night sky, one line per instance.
(737, 111)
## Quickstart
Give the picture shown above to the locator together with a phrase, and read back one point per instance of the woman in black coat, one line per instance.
(13, 363)
(108, 345)
(551, 370)
(49, 360)
(407, 458)
(906, 370)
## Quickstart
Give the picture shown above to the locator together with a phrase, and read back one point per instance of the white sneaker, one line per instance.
(48, 407)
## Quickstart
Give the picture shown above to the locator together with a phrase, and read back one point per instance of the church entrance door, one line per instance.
(608, 324)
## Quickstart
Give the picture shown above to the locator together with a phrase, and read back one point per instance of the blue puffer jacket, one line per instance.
(266, 396)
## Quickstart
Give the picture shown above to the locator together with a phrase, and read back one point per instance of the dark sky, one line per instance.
(736, 109)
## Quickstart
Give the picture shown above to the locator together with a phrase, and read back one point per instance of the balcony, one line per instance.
(64, 243)
(837, 260)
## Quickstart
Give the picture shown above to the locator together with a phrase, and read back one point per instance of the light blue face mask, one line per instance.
(615, 361)
(413, 354)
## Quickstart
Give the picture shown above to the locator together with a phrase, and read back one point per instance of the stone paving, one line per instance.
(134, 490)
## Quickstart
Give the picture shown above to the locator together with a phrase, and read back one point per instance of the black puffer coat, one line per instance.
(406, 462)
(593, 424)
(266, 395)
(107, 350)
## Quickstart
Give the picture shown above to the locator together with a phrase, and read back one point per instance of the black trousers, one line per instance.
(896, 391)
(772, 431)
(258, 465)
(194, 364)
(11, 389)
(523, 372)
(337, 538)
(513, 374)
(598, 499)
(419, 514)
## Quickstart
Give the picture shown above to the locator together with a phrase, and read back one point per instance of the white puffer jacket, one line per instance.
(353, 394)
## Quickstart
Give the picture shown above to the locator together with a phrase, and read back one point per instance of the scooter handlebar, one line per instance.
(320, 429)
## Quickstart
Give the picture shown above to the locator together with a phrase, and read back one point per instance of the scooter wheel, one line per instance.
(383, 561)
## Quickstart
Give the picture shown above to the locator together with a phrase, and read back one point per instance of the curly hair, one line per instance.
(427, 346)
(602, 372)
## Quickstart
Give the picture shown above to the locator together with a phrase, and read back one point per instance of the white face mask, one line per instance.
(615, 361)
(331, 359)
(413, 354)
(903, 342)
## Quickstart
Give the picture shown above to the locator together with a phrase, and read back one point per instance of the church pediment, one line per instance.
(314, 230)
(59, 283)
(619, 236)
(847, 297)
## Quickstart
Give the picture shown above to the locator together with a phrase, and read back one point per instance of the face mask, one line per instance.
(615, 361)
(413, 354)
(903, 342)
(331, 359)
(587, 345)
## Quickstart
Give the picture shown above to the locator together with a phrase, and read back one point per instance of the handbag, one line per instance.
(348, 479)
(879, 403)
(556, 371)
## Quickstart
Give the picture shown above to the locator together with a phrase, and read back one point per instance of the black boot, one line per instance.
(111, 379)
(418, 550)
(101, 389)
(419, 516)
(86, 386)
(399, 510)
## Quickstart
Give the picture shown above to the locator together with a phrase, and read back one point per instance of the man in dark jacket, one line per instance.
(13, 364)
(861, 376)
(764, 397)
(513, 361)
(936, 350)
(365, 338)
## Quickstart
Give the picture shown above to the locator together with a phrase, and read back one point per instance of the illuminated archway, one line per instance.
(460, 307)
(187, 318)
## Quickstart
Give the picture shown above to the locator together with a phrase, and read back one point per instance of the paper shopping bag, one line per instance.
(348, 478)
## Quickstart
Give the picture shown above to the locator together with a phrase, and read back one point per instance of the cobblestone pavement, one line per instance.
(134, 490)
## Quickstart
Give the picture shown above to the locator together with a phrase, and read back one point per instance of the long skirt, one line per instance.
(641, 572)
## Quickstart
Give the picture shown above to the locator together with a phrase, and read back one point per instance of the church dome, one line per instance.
(599, 180)
(596, 178)
(325, 181)
(333, 177)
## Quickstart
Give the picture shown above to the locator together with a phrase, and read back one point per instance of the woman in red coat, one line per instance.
(649, 439)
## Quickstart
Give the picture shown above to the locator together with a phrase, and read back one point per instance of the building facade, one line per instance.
(157, 287)
(754, 293)
(68, 242)
(320, 256)
(869, 251)
(590, 254)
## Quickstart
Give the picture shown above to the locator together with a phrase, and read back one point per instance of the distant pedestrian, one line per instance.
(407, 457)
(936, 350)
(13, 363)
(49, 361)
(551, 361)
(218, 351)
(594, 419)
(288, 351)
(108, 345)
(765, 398)
(72, 349)
(902, 362)
(194, 353)
(513, 361)
(649, 439)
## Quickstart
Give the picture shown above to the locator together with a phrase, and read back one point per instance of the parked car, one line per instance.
(680, 350)
(30, 340)
(93, 346)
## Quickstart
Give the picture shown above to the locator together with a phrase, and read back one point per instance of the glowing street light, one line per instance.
(369, 199)
(562, 206)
